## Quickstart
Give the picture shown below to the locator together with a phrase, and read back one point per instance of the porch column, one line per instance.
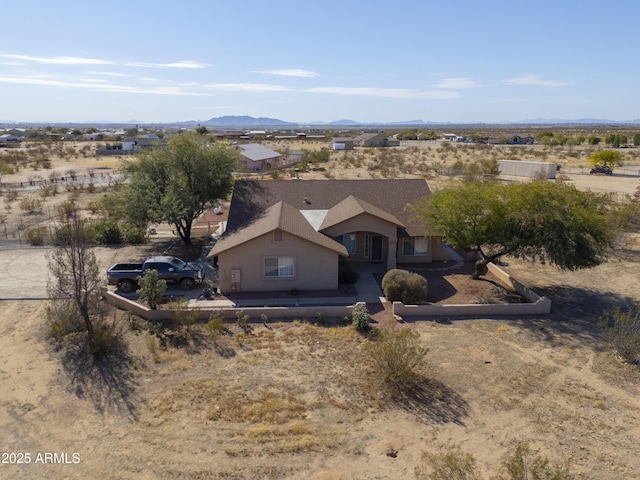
(392, 261)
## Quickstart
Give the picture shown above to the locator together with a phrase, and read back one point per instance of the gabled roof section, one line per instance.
(280, 216)
(351, 207)
(257, 152)
(252, 197)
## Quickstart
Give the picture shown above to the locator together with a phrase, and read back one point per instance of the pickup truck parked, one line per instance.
(171, 269)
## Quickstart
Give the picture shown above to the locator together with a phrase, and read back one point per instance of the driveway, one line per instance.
(24, 273)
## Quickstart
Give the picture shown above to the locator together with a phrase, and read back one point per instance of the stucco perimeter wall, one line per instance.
(292, 313)
(539, 305)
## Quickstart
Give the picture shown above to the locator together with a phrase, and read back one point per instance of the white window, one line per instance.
(414, 246)
(349, 241)
(279, 267)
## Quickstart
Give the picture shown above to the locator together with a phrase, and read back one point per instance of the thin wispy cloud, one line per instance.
(535, 81)
(58, 60)
(386, 92)
(246, 87)
(183, 64)
(101, 87)
(290, 73)
(456, 83)
(108, 74)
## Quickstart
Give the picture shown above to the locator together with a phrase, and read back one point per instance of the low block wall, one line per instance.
(309, 312)
(538, 306)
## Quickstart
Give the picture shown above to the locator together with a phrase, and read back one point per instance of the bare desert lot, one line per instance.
(299, 400)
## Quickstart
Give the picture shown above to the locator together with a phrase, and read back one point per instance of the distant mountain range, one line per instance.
(245, 121)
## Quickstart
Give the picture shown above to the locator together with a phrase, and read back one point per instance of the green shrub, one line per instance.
(215, 325)
(132, 235)
(108, 233)
(61, 235)
(37, 236)
(152, 288)
(404, 286)
(184, 316)
(360, 318)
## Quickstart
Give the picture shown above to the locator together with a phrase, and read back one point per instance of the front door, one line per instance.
(376, 248)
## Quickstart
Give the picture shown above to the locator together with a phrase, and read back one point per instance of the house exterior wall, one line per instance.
(257, 165)
(376, 141)
(434, 252)
(368, 223)
(316, 268)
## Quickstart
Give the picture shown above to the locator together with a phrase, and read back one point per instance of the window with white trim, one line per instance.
(279, 267)
(349, 241)
(414, 246)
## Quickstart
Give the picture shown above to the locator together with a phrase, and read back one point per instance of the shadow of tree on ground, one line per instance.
(431, 401)
(105, 378)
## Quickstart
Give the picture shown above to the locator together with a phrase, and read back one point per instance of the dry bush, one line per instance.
(451, 463)
(621, 330)
(395, 356)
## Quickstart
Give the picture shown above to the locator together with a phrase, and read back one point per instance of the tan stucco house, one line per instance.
(284, 234)
(256, 157)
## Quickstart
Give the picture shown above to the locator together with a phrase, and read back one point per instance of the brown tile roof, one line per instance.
(252, 197)
(280, 216)
(351, 207)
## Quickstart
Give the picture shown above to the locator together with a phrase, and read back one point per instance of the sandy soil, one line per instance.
(298, 401)
(293, 400)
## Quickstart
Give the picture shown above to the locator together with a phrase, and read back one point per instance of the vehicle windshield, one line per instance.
(178, 264)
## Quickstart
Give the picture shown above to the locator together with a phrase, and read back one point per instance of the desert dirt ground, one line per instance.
(296, 400)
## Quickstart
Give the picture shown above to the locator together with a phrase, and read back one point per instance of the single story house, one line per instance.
(8, 138)
(285, 234)
(370, 140)
(342, 143)
(256, 157)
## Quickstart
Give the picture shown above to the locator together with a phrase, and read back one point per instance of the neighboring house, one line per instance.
(148, 140)
(518, 140)
(370, 140)
(284, 234)
(342, 143)
(111, 150)
(8, 139)
(257, 157)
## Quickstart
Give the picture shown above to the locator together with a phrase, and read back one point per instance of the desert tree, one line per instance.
(541, 220)
(607, 158)
(75, 275)
(175, 183)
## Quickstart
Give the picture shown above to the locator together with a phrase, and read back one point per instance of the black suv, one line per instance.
(605, 169)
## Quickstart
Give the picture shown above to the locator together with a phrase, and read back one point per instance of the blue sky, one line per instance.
(369, 61)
